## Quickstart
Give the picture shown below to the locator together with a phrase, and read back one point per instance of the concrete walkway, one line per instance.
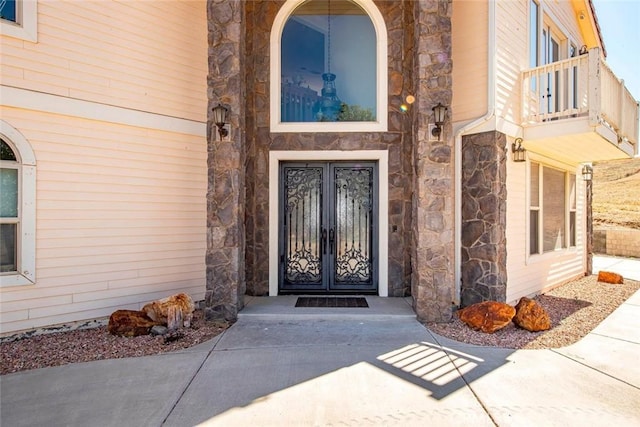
(282, 366)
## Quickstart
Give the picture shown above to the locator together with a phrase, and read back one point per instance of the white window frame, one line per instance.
(26, 274)
(568, 173)
(534, 33)
(571, 206)
(26, 27)
(547, 23)
(380, 125)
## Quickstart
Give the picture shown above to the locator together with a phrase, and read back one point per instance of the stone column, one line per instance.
(484, 212)
(225, 258)
(433, 197)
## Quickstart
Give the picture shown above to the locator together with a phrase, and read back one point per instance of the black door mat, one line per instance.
(344, 302)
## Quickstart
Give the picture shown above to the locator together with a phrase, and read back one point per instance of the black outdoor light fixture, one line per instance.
(439, 113)
(587, 172)
(519, 153)
(220, 119)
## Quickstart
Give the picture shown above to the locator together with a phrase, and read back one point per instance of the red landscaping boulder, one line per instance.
(487, 316)
(608, 277)
(130, 323)
(174, 311)
(531, 316)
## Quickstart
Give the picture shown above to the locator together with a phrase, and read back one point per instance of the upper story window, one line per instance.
(19, 19)
(17, 208)
(534, 30)
(330, 72)
(8, 10)
(548, 40)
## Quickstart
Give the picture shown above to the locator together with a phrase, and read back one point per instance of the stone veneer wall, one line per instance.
(484, 207)
(420, 171)
(225, 262)
(260, 17)
(433, 197)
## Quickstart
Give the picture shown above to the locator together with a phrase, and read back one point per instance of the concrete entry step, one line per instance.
(285, 307)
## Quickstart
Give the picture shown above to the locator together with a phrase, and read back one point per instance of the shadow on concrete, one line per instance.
(280, 362)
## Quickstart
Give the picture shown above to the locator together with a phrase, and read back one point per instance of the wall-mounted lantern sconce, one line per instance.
(519, 153)
(583, 50)
(587, 173)
(439, 113)
(220, 119)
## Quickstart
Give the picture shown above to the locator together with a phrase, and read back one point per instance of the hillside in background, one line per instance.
(616, 194)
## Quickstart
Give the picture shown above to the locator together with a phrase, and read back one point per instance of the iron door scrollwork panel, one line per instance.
(302, 227)
(327, 227)
(353, 199)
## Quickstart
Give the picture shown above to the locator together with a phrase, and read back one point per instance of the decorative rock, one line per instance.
(172, 336)
(487, 316)
(531, 316)
(159, 330)
(129, 323)
(609, 277)
(174, 311)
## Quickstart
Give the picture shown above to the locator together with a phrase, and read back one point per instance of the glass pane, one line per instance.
(8, 10)
(535, 185)
(6, 153)
(553, 203)
(328, 64)
(533, 36)
(303, 225)
(572, 228)
(8, 248)
(533, 232)
(572, 192)
(354, 217)
(8, 193)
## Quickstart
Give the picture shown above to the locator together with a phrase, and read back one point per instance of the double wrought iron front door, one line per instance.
(328, 233)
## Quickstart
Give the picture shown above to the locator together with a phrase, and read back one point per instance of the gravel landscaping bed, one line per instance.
(575, 309)
(61, 348)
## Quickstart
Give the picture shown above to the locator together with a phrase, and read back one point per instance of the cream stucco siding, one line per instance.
(532, 274)
(512, 49)
(469, 24)
(112, 100)
(529, 275)
(512, 53)
(120, 219)
(148, 56)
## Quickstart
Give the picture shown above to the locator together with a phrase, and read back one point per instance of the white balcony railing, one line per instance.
(583, 86)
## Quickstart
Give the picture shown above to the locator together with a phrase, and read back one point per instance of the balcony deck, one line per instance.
(577, 110)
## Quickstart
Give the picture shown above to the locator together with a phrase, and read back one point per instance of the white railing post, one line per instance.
(595, 104)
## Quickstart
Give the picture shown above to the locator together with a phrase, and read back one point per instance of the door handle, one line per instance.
(331, 240)
(324, 240)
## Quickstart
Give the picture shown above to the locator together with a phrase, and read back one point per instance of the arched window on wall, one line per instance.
(330, 67)
(17, 208)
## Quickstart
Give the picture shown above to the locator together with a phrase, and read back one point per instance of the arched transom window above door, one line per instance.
(328, 67)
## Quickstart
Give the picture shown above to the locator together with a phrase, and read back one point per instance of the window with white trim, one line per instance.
(17, 208)
(572, 209)
(9, 218)
(331, 67)
(19, 19)
(552, 209)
